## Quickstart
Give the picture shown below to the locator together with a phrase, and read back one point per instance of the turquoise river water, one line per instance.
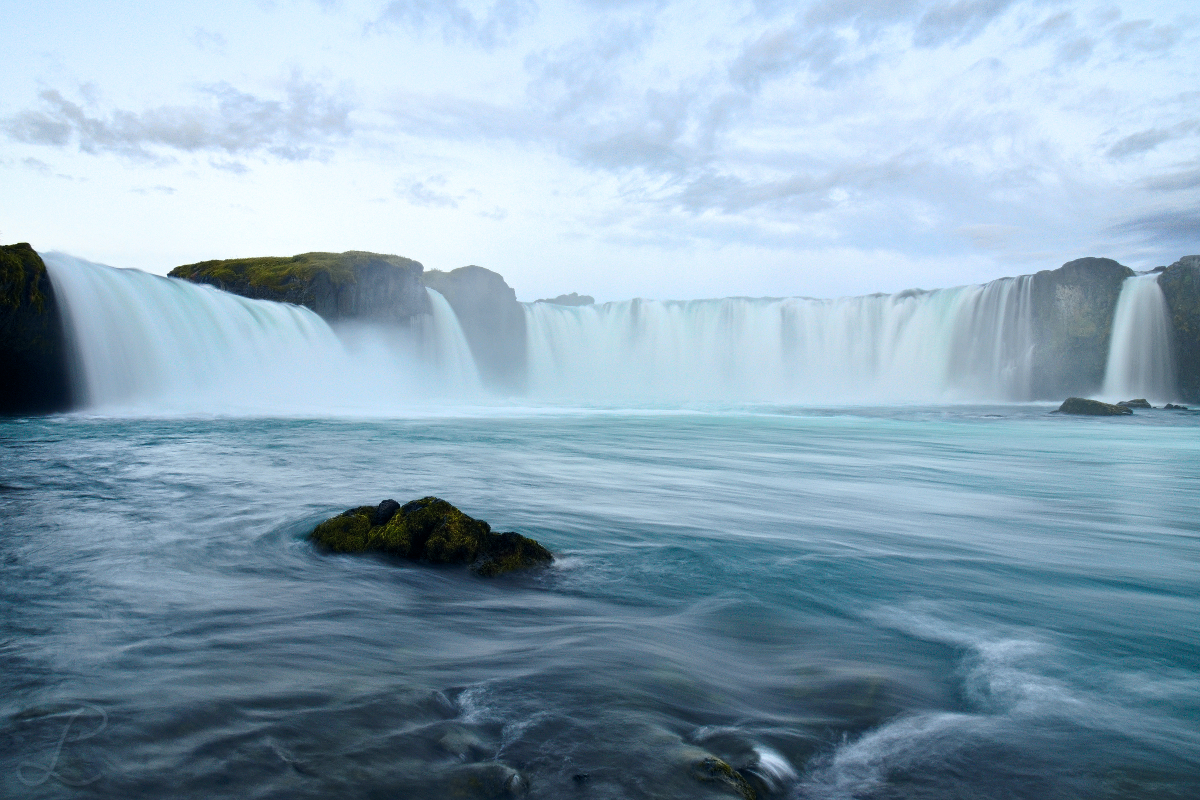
(913, 602)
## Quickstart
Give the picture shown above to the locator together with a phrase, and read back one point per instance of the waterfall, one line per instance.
(970, 343)
(143, 342)
(1140, 362)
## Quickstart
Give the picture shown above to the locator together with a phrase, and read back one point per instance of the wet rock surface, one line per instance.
(432, 531)
(33, 348)
(1092, 408)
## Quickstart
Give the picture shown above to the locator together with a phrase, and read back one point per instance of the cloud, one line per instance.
(457, 22)
(1147, 140)
(423, 193)
(230, 121)
(957, 22)
(1167, 226)
(1144, 35)
(1173, 182)
(209, 41)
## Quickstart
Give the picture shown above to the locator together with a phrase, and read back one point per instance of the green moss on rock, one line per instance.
(34, 377)
(1092, 408)
(714, 770)
(429, 530)
(354, 284)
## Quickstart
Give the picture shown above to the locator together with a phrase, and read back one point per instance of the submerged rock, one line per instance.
(1095, 408)
(714, 770)
(429, 530)
(1141, 402)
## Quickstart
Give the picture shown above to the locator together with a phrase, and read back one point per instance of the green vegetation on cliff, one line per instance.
(22, 275)
(278, 274)
(33, 359)
(354, 284)
(429, 530)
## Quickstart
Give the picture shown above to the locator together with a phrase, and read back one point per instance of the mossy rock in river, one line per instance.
(1092, 408)
(429, 530)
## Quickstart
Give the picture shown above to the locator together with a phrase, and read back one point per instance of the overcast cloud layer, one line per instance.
(619, 148)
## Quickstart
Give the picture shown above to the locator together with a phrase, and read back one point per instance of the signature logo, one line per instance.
(79, 723)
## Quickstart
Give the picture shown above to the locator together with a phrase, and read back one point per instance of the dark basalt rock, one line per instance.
(1094, 408)
(1173, 407)
(338, 286)
(429, 530)
(571, 299)
(34, 374)
(1073, 309)
(1180, 284)
(492, 320)
(1140, 402)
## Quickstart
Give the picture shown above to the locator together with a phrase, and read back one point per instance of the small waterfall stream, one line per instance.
(1139, 355)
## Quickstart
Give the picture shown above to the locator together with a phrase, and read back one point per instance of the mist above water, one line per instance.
(144, 343)
(961, 344)
(147, 343)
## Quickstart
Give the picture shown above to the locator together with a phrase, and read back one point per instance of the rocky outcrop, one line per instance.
(1180, 284)
(429, 530)
(571, 299)
(1091, 408)
(492, 320)
(1073, 309)
(338, 286)
(1139, 402)
(33, 349)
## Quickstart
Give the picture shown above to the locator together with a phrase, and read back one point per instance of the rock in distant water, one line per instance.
(571, 299)
(1141, 402)
(34, 378)
(1180, 284)
(1094, 408)
(1173, 407)
(433, 531)
(351, 285)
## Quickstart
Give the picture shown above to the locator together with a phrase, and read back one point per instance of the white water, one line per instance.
(1139, 357)
(960, 344)
(148, 343)
(161, 345)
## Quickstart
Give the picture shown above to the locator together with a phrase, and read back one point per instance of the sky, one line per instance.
(619, 149)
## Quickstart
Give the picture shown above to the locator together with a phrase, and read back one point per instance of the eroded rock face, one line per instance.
(1073, 309)
(492, 320)
(34, 375)
(1180, 284)
(433, 531)
(338, 286)
(1092, 408)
